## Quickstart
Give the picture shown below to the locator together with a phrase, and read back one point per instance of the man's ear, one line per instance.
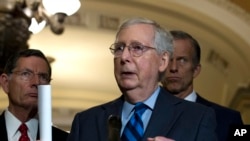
(197, 70)
(164, 61)
(4, 81)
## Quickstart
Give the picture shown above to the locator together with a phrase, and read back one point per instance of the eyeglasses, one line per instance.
(135, 49)
(26, 75)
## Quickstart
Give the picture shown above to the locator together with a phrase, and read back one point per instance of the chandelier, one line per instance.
(41, 13)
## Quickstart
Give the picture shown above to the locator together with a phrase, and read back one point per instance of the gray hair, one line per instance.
(163, 40)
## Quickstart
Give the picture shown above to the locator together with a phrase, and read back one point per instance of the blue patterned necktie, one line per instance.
(134, 129)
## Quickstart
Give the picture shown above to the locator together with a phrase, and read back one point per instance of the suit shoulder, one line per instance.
(223, 113)
(59, 134)
(194, 105)
(165, 96)
(216, 106)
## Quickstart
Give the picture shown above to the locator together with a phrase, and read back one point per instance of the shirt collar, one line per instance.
(150, 102)
(12, 125)
(191, 97)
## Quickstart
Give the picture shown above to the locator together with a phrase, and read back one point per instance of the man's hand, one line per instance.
(159, 138)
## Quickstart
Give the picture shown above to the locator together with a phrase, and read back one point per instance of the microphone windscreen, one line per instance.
(114, 127)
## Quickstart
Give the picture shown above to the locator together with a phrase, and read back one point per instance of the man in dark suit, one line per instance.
(57, 134)
(141, 53)
(184, 66)
(23, 72)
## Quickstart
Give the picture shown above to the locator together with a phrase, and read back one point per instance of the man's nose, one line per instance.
(125, 53)
(35, 79)
(172, 66)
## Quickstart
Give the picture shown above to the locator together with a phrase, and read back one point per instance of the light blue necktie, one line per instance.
(134, 129)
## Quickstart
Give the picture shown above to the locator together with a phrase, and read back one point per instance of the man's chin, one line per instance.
(173, 91)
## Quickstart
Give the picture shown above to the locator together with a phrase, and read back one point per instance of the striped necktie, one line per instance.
(134, 129)
(24, 136)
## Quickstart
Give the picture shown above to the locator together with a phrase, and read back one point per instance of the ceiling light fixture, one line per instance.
(40, 13)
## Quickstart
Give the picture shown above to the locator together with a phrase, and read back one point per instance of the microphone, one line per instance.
(114, 127)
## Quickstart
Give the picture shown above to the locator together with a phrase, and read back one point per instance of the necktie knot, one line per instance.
(23, 129)
(140, 108)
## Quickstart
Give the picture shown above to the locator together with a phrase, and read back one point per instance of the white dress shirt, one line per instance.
(12, 125)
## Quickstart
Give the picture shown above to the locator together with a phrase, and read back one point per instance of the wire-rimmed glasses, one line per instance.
(135, 49)
(26, 75)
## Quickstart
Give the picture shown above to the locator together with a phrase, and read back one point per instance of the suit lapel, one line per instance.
(202, 100)
(3, 128)
(163, 116)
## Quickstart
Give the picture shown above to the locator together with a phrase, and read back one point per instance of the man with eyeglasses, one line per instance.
(23, 72)
(144, 111)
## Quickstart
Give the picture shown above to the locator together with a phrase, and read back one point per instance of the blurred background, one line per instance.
(78, 48)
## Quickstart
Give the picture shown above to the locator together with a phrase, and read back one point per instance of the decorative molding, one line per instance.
(92, 19)
(218, 61)
(233, 8)
(241, 102)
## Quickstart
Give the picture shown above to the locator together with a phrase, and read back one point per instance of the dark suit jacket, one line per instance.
(171, 117)
(225, 118)
(57, 134)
